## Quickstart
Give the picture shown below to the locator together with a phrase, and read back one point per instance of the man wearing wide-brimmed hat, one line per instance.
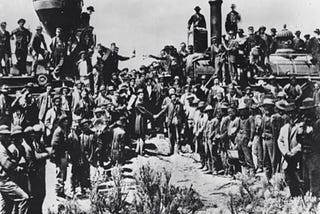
(308, 136)
(12, 194)
(290, 149)
(59, 156)
(244, 138)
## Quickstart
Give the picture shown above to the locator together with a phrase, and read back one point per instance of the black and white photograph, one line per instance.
(159, 107)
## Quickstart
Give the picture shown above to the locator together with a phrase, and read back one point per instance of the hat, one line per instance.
(308, 104)
(81, 52)
(190, 97)
(317, 31)
(298, 32)
(250, 28)
(195, 102)
(172, 91)
(290, 107)
(84, 121)
(201, 105)
(140, 90)
(102, 88)
(281, 94)
(29, 129)
(268, 101)
(64, 87)
(197, 8)
(4, 129)
(242, 105)
(3, 23)
(21, 20)
(90, 8)
(307, 36)
(224, 105)
(4, 89)
(262, 28)
(55, 97)
(16, 130)
(98, 110)
(176, 78)
(273, 30)
(39, 27)
(208, 108)
(240, 30)
(30, 85)
(143, 67)
(281, 105)
(233, 6)
(38, 128)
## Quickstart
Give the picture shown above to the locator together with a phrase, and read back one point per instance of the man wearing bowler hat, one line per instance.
(5, 49)
(197, 20)
(23, 38)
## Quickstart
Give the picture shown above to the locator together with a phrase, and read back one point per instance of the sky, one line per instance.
(147, 25)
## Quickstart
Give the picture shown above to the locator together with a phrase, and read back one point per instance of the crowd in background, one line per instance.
(260, 127)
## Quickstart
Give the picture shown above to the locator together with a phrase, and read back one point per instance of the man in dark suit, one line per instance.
(197, 20)
(233, 18)
(110, 59)
(5, 48)
(23, 38)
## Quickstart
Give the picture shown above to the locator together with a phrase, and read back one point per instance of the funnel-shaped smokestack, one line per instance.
(215, 19)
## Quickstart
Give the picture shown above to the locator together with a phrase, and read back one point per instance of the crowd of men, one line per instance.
(260, 128)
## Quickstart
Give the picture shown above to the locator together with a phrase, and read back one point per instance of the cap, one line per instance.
(38, 128)
(307, 104)
(172, 91)
(250, 28)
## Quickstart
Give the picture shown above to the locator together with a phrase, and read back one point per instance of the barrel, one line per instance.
(58, 13)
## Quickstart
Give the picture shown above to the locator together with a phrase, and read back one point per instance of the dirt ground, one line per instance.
(185, 171)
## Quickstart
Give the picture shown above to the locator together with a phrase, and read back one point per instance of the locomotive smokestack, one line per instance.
(215, 19)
